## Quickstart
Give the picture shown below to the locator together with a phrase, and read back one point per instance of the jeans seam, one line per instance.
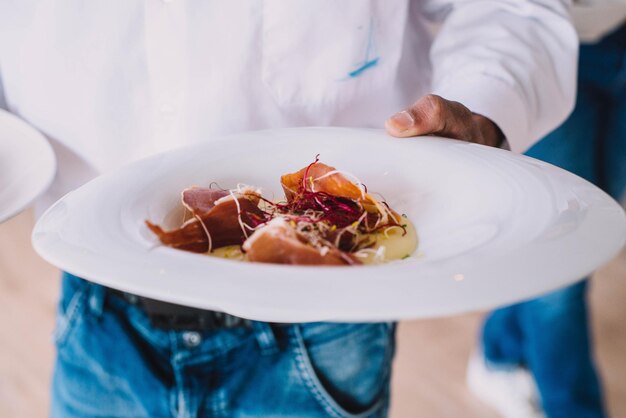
(307, 374)
(70, 316)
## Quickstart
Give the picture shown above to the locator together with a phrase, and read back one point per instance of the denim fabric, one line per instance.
(112, 363)
(550, 335)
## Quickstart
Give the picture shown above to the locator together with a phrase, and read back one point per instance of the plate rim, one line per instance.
(40, 139)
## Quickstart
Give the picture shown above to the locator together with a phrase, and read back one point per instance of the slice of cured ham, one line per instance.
(221, 225)
(279, 243)
(322, 178)
(200, 200)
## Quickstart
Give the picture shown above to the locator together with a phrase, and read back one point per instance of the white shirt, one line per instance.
(114, 80)
(595, 18)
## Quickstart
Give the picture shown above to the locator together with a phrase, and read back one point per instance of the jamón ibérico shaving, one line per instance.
(326, 219)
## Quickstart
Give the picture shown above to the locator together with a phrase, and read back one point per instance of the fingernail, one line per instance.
(402, 121)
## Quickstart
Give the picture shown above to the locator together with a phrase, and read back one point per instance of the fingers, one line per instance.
(490, 132)
(432, 115)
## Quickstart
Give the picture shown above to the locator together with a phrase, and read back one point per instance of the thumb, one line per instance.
(426, 116)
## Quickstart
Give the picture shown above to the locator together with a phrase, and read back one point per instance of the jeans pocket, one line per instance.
(346, 367)
(71, 307)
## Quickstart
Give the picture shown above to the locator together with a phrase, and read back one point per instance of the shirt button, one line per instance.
(191, 339)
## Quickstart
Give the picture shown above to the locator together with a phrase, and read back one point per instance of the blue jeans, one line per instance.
(111, 362)
(550, 335)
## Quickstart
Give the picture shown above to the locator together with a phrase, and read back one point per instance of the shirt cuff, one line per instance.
(496, 100)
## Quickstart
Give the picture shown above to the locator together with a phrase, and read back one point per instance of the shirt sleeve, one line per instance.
(513, 61)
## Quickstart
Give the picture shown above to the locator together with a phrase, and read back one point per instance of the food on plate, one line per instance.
(327, 218)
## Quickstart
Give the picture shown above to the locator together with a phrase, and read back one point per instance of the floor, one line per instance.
(429, 369)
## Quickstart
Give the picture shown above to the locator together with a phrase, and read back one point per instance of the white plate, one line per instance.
(494, 228)
(27, 165)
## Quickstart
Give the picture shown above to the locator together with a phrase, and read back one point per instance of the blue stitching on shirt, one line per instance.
(362, 68)
(367, 62)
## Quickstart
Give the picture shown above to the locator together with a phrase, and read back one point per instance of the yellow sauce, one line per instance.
(230, 252)
(392, 245)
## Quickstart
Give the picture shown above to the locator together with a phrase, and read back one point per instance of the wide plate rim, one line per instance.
(272, 314)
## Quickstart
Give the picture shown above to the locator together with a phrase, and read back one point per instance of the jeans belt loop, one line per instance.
(95, 303)
(265, 338)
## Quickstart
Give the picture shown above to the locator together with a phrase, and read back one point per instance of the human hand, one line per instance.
(434, 115)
